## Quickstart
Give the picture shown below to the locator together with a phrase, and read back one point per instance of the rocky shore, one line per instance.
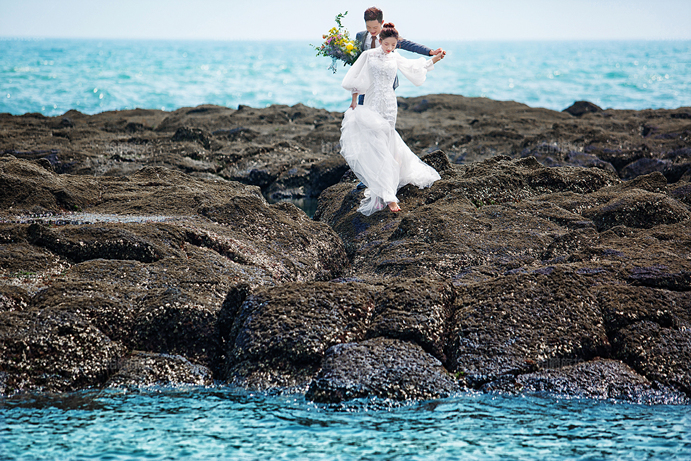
(145, 248)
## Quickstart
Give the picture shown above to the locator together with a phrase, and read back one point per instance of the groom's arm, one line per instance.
(413, 47)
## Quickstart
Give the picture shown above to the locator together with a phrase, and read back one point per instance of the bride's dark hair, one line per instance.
(388, 30)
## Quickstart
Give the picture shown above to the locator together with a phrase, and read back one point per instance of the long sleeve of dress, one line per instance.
(358, 79)
(414, 70)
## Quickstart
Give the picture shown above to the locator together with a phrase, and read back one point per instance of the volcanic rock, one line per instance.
(384, 368)
(552, 256)
(145, 369)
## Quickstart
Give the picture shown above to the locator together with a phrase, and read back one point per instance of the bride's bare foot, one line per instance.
(393, 206)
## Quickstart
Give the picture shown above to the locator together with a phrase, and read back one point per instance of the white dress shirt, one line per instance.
(368, 42)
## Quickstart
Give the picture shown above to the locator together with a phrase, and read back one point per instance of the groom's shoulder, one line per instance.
(360, 34)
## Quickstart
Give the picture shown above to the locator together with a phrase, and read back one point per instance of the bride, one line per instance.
(369, 141)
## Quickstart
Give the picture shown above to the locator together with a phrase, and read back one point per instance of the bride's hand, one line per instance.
(438, 57)
(353, 104)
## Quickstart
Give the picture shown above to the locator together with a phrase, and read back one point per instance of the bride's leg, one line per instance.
(393, 206)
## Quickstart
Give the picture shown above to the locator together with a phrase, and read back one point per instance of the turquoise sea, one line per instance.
(220, 424)
(54, 76)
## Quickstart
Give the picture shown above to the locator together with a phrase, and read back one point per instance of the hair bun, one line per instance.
(388, 25)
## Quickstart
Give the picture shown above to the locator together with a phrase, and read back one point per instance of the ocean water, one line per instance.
(223, 423)
(53, 76)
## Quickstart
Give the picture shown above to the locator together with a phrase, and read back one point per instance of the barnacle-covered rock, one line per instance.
(279, 335)
(381, 367)
(601, 379)
(145, 369)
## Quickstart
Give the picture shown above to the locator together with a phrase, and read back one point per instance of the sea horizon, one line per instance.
(52, 76)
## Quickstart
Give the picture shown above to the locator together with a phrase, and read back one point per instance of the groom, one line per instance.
(368, 39)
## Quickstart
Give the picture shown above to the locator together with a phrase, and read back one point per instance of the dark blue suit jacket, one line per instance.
(402, 44)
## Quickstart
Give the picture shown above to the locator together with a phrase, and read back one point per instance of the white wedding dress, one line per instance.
(369, 141)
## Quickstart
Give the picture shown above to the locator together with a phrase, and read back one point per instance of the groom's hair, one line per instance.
(374, 14)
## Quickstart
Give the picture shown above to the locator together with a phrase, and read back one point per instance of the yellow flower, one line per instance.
(349, 47)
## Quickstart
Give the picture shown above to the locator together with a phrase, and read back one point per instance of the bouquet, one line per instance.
(338, 46)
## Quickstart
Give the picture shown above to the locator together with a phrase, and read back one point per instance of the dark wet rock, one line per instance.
(192, 135)
(638, 209)
(54, 351)
(437, 159)
(92, 242)
(205, 117)
(437, 232)
(600, 379)
(557, 155)
(579, 108)
(385, 368)
(416, 311)
(326, 173)
(13, 299)
(672, 171)
(421, 106)
(519, 322)
(150, 242)
(682, 193)
(137, 276)
(279, 335)
(237, 134)
(92, 302)
(467, 129)
(145, 369)
(174, 322)
(650, 331)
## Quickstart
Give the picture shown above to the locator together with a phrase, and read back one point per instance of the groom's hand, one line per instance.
(436, 52)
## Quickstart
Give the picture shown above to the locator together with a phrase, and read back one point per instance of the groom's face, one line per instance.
(373, 27)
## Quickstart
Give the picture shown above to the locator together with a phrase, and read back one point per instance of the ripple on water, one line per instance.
(225, 423)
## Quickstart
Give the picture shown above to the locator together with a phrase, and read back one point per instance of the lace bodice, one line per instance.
(373, 74)
(380, 95)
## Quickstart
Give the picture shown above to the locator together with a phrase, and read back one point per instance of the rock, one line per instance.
(438, 160)
(384, 368)
(436, 234)
(579, 108)
(279, 335)
(145, 369)
(326, 173)
(599, 379)
(639, 209)
(172, 260)
(650, 331)
(192, 135)
(118, 143)
(13, 299)
(682, 193)
(50, 350)
(673, 172)
(172, 322)
(132, 275)
(416, 311)
(516, 324)
(92, 242)
(421, 106)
